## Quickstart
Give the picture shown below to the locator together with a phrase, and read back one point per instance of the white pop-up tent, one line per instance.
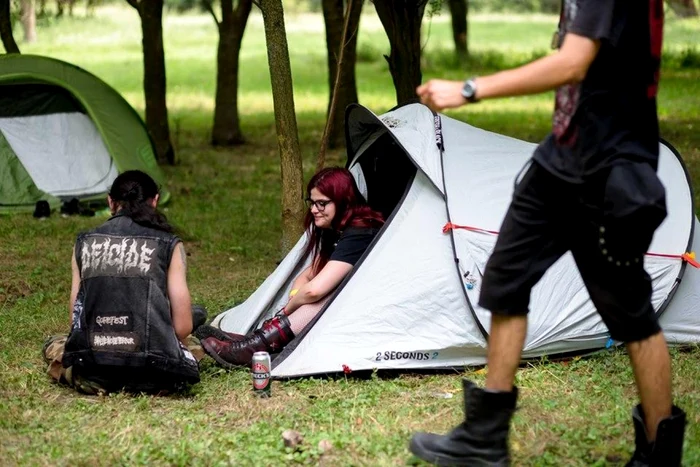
(411, 301)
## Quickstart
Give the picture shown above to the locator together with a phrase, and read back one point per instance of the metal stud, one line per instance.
(602, 229)
(605, 251)
(610, 259)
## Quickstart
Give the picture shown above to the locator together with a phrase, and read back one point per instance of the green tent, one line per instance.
(64, 134)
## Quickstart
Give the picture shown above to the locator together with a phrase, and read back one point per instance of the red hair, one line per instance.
(351, 210)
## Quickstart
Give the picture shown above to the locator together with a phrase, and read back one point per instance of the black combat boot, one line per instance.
(667, 449)
(271, 337)
(199, 316)
(481, 440)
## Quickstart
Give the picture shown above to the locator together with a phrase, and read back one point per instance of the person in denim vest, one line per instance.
(130, 306)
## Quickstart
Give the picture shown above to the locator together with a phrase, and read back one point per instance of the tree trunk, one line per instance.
(402, 20)
(459, 10)
(334, 16)
(8, 40)
(227, 128)
(28, 18)
(154, 82)
(285, 118)
(683, 8)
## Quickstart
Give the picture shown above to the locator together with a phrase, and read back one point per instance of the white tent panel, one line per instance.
(681, 319)
(408, 126)
(269, 297)
(671, 238)
(63, 153)
(402, 308)
(560, 308)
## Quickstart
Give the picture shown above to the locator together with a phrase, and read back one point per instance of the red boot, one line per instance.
(271, 337)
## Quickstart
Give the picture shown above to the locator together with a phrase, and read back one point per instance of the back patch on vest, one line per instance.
(120, 321)
(115, 341)
(116, 256)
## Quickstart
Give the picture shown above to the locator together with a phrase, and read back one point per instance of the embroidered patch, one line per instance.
(116, 256)
(112, 320)
(114, 341)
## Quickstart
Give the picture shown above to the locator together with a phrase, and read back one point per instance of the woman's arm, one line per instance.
(321, 285)
(75, 285)
(179, 294)
(302, 279)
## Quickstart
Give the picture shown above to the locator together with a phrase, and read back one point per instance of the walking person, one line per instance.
(591, 188)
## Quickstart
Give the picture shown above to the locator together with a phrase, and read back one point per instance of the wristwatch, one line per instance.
(469, 90)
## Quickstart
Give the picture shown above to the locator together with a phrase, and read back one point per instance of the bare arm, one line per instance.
(321, 285)
(179, 294)
(303, 278)
(568, 65)
(75, 285)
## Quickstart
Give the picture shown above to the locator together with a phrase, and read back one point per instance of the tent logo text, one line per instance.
(394, 355)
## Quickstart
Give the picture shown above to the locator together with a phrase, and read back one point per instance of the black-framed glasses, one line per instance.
(320, 203)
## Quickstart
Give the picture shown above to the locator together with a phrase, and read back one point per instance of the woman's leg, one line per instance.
(304, 314)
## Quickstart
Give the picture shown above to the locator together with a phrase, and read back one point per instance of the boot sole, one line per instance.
(449, 461)
(218, 359)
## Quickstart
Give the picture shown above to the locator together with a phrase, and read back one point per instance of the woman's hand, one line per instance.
(321, 285)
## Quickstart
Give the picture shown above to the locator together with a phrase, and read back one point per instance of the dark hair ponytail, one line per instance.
(132, 191)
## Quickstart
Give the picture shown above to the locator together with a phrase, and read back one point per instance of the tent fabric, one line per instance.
(79, 97)
(17, 188)
(412, 300)
(22, 100)
(79, 162)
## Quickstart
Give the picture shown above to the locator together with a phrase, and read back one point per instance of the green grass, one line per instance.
(227, 203)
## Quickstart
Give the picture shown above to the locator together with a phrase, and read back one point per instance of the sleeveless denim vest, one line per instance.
(121, 316)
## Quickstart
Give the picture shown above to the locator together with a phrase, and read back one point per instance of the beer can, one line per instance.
(260, 370)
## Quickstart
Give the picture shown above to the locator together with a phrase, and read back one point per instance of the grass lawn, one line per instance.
(227, 202)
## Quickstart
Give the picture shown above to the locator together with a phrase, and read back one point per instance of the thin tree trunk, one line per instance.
(28, 18)
(346, 94)
(285, 117)
(154, 81)
(227, 128)
(459, 10)
(684, 8)
(402, 20)
(8, 40)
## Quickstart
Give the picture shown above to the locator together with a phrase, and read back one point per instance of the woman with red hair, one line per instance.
(340, 227)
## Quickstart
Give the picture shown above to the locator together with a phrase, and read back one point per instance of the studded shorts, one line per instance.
(549, 217)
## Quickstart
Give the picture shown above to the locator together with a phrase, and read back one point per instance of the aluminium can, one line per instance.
(260, 370)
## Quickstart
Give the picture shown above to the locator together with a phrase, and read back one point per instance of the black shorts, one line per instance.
(548, 217)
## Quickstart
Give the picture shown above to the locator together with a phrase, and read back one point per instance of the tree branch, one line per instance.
(133, 3)
(206, 4)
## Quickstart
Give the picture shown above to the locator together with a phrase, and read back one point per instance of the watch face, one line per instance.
(468, 89)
